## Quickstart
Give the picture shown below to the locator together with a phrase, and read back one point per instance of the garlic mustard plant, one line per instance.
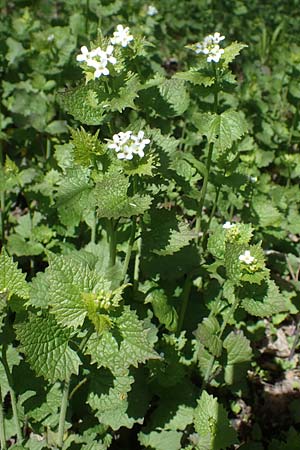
(246, 257)
(122, 36)
(210, 47)
(127, 144)
(98, 59)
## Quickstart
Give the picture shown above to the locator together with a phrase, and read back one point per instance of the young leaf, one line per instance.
(196, 78)
(85, 146)
(222, 129)
(68, 279)
(207, 332)
(125, 344)
(231, 51)
(173, 92)
(112, 199)
(74, 197)
(111, 408)
(163, 310)
(212, 425)
(263, 300)
(12, 280)
(238, 348)
(45, 345)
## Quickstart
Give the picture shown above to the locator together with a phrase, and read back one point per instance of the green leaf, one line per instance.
(74, 196)
(207, 332)
(212, 425)
(231, 51)
(39, 291)
(263, 300)
(45, 345)
(88, 103)
(196, 78)
(173, 92)
(268, 215)
(126, 344)
(161, 440)
(238, 348)
(111, 408)
(68, 278)
(86, 145)
(222, 129)
(15, 51)
(13, 359)
(127, 93)
(163, 310)
(165, 234)
(112, 199)
(12, 280)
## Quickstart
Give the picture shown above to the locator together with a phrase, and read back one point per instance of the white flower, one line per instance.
(121, 36)
(97, 59)
(84, 54)
(152, 11)
(227, 225)
(210, 47)
(246, 257)
(50, 38)
(127, 144)
(215, 54)
(217, 38)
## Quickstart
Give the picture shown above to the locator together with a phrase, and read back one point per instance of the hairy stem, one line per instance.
(129, 248)
(204, 189)
(2, 425)
(2, 199)
(208, 161)
(13, 397)
(112, 243)
(136, 272)
(185, 299)
(93, 229)
(63, 412)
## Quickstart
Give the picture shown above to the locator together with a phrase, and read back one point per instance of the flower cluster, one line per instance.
(246, 257)
(98, 58)
(152, 11)
(127, 144)
(122, 36)
(210, 47)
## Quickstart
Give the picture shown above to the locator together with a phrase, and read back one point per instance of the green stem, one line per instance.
(185, 299)
(136, 271)
(129, 248)
(2, 425)
(202, 239)
(78, 386)
(209, 156)
(2, 199)
(93, 229)
(63, 412)
(13, 397)
(204, 189)
(207, 376)
(112, 243)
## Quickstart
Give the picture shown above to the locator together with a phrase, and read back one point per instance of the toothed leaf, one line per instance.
(45, 345)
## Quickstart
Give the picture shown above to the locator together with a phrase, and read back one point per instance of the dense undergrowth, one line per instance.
(150, 226)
